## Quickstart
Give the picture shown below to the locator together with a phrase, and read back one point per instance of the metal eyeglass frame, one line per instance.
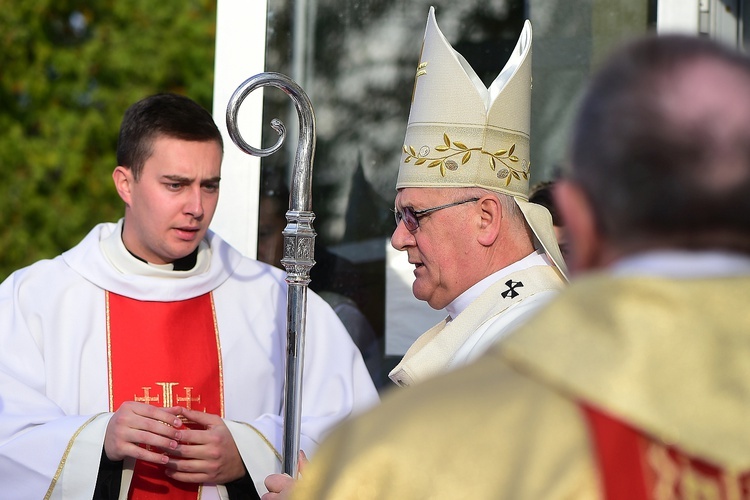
(407, 214)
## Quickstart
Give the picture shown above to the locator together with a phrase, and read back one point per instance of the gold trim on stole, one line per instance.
(64, 458)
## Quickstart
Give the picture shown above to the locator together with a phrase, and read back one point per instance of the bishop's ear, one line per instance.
(490, 213)
(123, 180)
(579, 219)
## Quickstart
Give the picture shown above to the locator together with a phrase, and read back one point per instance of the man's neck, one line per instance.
(185, 263)
(680, 263)
(113, 247)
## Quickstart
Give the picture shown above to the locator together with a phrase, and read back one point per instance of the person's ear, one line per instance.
(490, 220)
(584, 240)
(123, 178)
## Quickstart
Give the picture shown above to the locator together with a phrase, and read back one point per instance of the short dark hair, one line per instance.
(170, 115)
(653, 173)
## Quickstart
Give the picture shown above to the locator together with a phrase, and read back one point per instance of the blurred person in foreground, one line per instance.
(634, 382)
(148, 360)
(480, 250)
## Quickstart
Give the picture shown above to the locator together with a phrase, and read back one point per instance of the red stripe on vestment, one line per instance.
(163, 354)
(635, 466)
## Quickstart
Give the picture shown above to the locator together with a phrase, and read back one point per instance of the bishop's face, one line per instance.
(440, 248)
(170, 207)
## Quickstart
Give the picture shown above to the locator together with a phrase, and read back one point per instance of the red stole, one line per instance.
(164, 354)
(635, 466)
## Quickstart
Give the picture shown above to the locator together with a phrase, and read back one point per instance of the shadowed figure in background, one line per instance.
(332, 277)
(542, 194)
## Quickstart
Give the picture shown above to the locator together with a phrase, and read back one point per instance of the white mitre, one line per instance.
(462, 134)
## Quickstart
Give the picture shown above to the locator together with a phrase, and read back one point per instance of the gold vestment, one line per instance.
(668, 356)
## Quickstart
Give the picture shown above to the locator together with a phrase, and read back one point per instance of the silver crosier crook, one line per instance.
(299, 241)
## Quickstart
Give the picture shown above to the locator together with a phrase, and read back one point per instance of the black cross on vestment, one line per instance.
(511, 291)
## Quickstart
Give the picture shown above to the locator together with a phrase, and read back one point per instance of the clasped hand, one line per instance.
(159, 435)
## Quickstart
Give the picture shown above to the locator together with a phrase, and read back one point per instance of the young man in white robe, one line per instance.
(148, 361)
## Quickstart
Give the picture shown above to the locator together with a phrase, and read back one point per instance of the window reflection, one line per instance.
(357, 59)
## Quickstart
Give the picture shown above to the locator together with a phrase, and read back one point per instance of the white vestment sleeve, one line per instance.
(82, 457)
(43, 450)
(258, 454)
(336, 385)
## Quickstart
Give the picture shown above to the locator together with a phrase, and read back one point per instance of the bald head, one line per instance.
(661, 145)
(712, 98)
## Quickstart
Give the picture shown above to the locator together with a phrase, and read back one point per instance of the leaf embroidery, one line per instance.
(455, 148)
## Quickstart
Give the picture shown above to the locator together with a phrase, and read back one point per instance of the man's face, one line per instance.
(170, 207)
(440, 249)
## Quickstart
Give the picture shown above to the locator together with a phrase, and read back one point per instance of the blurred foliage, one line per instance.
(68, 71)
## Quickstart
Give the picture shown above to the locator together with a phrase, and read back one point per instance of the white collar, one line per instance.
(537, 258)
(683, 264)
(114, 250)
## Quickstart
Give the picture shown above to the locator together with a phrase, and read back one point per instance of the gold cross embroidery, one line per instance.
(146, 398)
(188, 399)
(168, 396)
(166, 388)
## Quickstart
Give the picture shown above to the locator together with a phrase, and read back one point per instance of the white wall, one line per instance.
(678, 16)
(240, 54)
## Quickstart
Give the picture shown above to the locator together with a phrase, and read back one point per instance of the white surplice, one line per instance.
(480, 317)
(54, 392)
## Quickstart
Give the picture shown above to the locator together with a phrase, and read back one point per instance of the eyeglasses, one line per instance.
(411, 217)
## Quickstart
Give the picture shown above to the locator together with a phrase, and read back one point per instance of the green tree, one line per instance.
(68, 71)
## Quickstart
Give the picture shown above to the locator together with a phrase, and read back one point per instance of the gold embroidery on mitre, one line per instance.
(456, 148)
(421, 71)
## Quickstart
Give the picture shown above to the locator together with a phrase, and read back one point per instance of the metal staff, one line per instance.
(299, 241)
